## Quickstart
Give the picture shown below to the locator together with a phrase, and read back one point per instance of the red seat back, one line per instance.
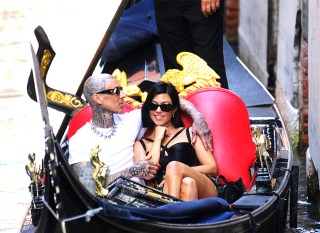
(228, 120)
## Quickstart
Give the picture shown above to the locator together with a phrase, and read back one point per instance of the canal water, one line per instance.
(21, 127)
(308, 212)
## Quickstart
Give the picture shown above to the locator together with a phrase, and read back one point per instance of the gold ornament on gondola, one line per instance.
(195, 74)
(100, 173)
(66, 99)
(45, 61)
(129, 90)
(263, 144)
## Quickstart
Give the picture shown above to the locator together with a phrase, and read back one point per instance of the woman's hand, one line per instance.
(160, 132)
(161, 184)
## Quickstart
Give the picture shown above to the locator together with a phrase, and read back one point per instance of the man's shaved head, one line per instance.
(95, 84)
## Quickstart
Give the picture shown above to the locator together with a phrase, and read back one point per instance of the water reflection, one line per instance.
(308, 213)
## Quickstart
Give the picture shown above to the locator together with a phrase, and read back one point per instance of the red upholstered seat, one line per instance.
(228, 119)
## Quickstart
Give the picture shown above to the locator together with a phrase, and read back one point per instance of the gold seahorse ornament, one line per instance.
(100, 173)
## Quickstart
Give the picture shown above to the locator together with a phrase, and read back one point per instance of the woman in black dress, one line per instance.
(186, 169)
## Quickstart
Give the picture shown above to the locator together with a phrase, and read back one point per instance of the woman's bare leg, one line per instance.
(177, 171)
(173, 179)
(189, 189)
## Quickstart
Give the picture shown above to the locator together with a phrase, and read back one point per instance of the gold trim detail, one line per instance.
(66, 99)
(46, 58)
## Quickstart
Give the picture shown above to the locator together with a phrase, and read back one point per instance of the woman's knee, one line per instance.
(188, 183)
(189, 189)
(174, 167)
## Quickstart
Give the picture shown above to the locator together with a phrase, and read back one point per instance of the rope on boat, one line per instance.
(87, 215)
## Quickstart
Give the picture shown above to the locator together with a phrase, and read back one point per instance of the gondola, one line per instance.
(67, 206)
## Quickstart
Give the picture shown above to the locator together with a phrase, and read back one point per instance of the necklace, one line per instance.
(105, 135)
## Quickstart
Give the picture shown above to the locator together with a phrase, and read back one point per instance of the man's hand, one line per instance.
(145, 168)
(201, 128)
(208, 7)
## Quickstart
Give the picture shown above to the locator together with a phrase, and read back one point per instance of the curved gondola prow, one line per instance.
(63, 101)
(60, 100)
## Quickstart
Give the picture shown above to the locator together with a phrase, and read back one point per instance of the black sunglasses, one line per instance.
(164, 107)
(113, 91)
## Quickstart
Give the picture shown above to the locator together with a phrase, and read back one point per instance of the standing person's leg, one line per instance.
(173, 31)
(208, 38)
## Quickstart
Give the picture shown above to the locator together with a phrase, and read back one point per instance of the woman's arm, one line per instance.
(159, 133)
(199, 126)
(138, 151)
(208, 164)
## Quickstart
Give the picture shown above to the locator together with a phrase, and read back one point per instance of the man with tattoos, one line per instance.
(116, 133)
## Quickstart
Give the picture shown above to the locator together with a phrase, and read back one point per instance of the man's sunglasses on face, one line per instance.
(164, 107)
(114, 91)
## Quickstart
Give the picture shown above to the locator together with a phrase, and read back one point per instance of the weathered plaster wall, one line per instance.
(261, 23)
(253, 36)
(287, 66)
(314, 82)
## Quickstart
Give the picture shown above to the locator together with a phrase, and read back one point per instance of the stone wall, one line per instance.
(314, 84)
(269, 44)
(287, 66)
(283, 50)
(253, 37)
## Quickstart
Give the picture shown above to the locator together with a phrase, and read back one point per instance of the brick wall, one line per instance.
(232, 21)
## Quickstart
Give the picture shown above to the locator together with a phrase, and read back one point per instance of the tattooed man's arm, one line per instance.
(199, 126)
(144, 168)
(83, 171)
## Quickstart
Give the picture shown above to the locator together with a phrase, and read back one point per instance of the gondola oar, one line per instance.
(50, 159)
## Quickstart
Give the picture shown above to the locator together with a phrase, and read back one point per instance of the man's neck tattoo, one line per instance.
(103, 120)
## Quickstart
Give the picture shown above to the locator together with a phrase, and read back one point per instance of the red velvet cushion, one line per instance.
(228, 119)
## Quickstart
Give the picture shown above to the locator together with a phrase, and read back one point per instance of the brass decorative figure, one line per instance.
(195, 74)
(100, 172)
(129, 90)
(34, 173)
(263, 144)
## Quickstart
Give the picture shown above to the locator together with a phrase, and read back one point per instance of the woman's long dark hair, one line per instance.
(160, 88)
